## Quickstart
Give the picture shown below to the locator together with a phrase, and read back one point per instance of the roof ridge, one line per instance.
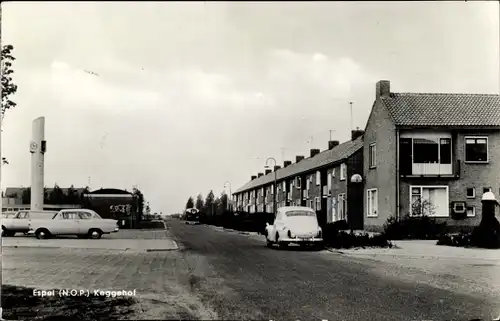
(449, 94)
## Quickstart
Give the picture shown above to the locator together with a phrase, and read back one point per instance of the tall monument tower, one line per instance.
(37, 149)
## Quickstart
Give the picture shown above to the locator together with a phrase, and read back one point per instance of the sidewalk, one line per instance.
(141, 245)
(427, 249)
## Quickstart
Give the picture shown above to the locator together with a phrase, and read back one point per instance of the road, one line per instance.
(239, 278)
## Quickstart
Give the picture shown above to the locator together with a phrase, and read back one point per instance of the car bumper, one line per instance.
(302, 240)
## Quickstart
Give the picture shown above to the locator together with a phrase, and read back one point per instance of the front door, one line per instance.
(71, 223)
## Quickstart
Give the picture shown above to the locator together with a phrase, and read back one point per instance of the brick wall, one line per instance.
(381, 130)
(476, 176)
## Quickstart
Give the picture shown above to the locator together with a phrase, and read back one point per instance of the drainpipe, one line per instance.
(397, 174)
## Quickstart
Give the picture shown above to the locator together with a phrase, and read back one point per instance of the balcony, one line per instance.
(431, 170)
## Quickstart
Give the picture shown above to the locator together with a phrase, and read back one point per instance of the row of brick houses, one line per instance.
(420, 153)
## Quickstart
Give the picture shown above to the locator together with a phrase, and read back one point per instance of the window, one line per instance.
(445, 151)
(329, 183)
(486, 189)
(333, 172)
(372, 202)
(298, 181)
(341, 207)
(471, 192)
(71, 215)
(318, 204)
(308, 184)
(22, 215)
(427, 151)
(272, 189)
(373, 155)
(429, 201)
(343, 171)
(476, 149)
(471, 211)
(284, 186)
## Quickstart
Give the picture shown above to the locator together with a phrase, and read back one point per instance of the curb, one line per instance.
(335, 251)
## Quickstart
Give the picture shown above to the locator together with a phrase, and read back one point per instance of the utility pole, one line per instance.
(350, 103)
(1, 201)
(275, 185)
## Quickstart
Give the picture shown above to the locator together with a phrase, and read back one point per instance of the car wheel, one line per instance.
(280, 244)
(95, 234)
(42, 234)
(269, 243)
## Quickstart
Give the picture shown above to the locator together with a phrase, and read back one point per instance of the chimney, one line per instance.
(356, 133)
(333, 143)
(253, 177)
(298, 158)
(260, 174)
(286, 163)
(268, 171)
(314, 152)
(383, 89)
(276, 167)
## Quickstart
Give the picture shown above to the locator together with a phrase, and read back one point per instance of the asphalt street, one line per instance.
(238, 277)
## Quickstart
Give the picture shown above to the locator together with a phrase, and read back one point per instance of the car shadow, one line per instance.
(298, 248)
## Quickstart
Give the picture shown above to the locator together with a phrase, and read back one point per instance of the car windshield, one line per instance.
(300, 213)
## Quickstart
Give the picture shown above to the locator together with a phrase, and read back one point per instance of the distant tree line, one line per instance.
(72, 196)
(57, 195)
(211, 205)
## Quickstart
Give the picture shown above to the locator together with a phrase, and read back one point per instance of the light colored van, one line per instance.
(20, 222)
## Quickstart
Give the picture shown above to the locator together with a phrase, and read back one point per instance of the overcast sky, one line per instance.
(191, 95)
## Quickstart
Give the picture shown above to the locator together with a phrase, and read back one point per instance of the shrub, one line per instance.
(416, 227)
(457, 239)
(334, 236)
(486, 236)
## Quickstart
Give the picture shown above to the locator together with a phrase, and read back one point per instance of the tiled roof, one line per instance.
(416, 109)
(331, 156)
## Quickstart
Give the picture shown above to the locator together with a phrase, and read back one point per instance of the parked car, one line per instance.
(294, 224)
(19, 222)
(83, 223)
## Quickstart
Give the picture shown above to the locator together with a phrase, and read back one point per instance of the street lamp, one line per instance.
(275, 186)
(230, 201)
